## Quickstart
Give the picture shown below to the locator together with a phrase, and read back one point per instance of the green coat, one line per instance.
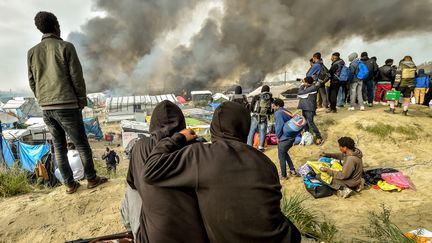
(55, 72)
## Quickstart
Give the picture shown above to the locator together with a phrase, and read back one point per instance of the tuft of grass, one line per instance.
(385, 130)
(381, 229)
(13, 182)
(101, 170)
(380, 129)
(306, 221)
(408, 131)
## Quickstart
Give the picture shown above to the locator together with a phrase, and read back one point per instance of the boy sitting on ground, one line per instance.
(351, 175)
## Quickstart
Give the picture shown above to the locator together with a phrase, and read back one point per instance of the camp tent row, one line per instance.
(133, 107)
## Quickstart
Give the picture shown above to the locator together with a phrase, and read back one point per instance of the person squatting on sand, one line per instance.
(350, 178)
(56, 79)
(232, 181)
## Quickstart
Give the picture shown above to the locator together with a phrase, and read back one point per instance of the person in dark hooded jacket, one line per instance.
(261, 111)
(239, 97)
(167, 215)
(335, 70)
(237, 187)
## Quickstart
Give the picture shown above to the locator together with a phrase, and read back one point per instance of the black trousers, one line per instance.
(333, 92)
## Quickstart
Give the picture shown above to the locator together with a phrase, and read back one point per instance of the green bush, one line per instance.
(306, 221)
(13, 182)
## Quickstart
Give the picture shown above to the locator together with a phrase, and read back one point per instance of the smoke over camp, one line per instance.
(240, 41)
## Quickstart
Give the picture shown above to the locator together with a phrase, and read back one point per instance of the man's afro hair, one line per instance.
(46, 22)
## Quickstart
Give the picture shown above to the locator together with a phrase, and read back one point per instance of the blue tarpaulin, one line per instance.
(29, 154)
(91, 126)
(7, 154)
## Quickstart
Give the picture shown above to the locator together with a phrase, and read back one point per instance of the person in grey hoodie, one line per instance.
(351, 175)
(307, 95)
(356, 85)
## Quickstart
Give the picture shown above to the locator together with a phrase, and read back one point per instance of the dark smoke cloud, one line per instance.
(261, 37)
(250, 39)
(111, 46)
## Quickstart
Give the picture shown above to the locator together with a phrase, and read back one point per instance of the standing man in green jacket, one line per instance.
(56, 79)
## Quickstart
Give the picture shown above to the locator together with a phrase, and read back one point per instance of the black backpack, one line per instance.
(324, 74)
(263, 104)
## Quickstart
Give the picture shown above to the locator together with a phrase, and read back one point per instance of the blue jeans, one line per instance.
(370, 90)
(69, 121)
(262, 128)
(284, 158)
(342, 94)
(310, 124)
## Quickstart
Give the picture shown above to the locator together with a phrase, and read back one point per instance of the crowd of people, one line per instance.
(362, 82)
(183, 190)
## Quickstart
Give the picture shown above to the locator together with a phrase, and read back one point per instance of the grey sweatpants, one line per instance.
(131, 210)
(356, 92)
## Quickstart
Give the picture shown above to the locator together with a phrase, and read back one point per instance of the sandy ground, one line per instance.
(53, 216)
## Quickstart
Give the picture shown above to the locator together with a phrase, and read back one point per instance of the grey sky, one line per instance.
(19, 34)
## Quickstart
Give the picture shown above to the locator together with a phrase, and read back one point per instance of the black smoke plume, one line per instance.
(250, 39)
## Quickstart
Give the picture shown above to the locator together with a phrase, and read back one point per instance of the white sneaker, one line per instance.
(375, 103)
(351, 109)
(384, 103)
(344, 193)
(362, 108)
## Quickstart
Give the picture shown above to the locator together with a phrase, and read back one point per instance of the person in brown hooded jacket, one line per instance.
(351, 175)
(167, 215)
(237, 186)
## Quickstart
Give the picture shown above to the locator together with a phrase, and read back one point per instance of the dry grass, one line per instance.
(13, 182)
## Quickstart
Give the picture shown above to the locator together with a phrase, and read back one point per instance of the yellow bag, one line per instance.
(325, 177)
(408, 72)
(385, 186)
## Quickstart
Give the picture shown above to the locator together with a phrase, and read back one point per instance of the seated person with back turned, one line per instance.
(351, 175)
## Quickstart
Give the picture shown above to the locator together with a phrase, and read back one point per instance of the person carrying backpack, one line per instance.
(368, 81)
(421, 86)
(319, 72)
(285, 139)
(239, 97)
(359, 72)
(261, 110)
(385, 77)
(335, 73)
(405, 82)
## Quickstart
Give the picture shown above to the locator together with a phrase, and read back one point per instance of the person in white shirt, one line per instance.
(74, 162)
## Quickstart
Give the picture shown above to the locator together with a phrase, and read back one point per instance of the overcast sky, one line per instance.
(19, 34)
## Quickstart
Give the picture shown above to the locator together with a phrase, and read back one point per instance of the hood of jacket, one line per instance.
(357, 153)
(339, 62)
(409, 64)
(231, 121)
(238, 90)
(167, 119)
(421, 72)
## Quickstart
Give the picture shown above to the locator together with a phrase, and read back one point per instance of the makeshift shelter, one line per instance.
(181, 100)
(7, 154)
(132, 130)
(30, 154)
(91, 126)
(23, 108)
(7, 120)
(131, 107)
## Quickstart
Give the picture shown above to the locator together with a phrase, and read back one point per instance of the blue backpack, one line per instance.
(363, 71)
(345, 74)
